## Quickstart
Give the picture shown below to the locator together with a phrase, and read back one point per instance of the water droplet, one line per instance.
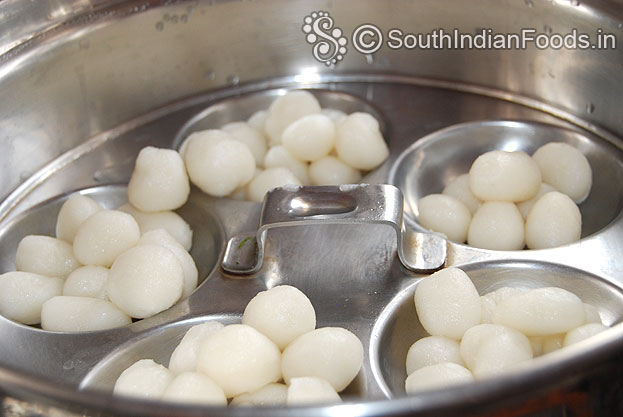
(575, 2)
(547, 29)
(159, 26)
(210, 75)
(590, 108)
(529, 3)
(370, 59)
(166, 17)
(621, 25)
(174, 18)
(68, 365)
(233, 80)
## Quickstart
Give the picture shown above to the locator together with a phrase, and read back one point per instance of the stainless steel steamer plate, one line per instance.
(350, 273)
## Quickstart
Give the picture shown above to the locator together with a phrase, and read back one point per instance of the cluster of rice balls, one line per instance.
(510, 200)
(294, 142)
(475, 336)
(275, 357)
(105, 267)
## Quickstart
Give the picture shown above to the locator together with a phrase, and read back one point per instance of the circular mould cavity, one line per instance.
(399, 327)
(432, 162)
(207, 237)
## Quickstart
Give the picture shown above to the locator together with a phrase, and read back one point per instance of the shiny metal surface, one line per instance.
(349, 204)
(87, 91)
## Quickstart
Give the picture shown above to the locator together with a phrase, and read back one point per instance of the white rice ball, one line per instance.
(592, 314)
(168, 220)
(278, 156)
(239, 359)
(81, 314)
(194, 388)
(432, 350)
(459, 189)
(267, 180)
(444, 214)
(309, 138)
(332, 171)
(489, 349)
(217, 163)
(45, 255)
(258, 121)
(287, 109)
(184, 357)
(74, 211)
(582, 333)
(525, 206)
(541, 311)
(282, 314)
(439, 375)
(159, 180)
(554, 220)
(504, 176)
(23, 293)
(253, 138)
(490, 301)
(145, 280)
(337, 116)
(269, 395)
(87, 281)
(447, 303)
(162, 238)
(104, 236)
(331, 353)
(311, 390)
(497, 225)
(359, 142)
(145, 379)
(565, 168)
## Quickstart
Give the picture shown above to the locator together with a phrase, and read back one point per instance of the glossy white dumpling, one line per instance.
(309, 138)
(73, 212)
(489, 349)
(565, 168)
(162, 238)
(267, 180)
(239, 359)
(168, 220)
(359, 142)
(490, 301)
(194, 388)
(258, 121)
(459, 189)
(87, 281)
(159, 180)
(145, 379)
(217, 163)
(45, 255)
(332, 171)
(497, 225)
(331, 353)
(554, 220)
(440, 375)
(145, 280)
(311, 390)
(592, 314)
(104, 236)
(525, 206)
(444, 214)
(582, 333)
(269, 395)
(23, 293)
(447, 303)
(254, 139)
(184, 357)
(81, 314)
(504, 176)
(278, 156)
(432, 350)
(541, 311)
(281, 313)
(287, 109)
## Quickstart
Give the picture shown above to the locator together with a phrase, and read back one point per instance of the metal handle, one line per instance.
(344, 204)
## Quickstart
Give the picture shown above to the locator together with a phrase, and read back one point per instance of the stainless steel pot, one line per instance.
(87, 84)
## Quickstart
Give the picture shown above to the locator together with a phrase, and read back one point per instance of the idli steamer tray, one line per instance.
(356, 251)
